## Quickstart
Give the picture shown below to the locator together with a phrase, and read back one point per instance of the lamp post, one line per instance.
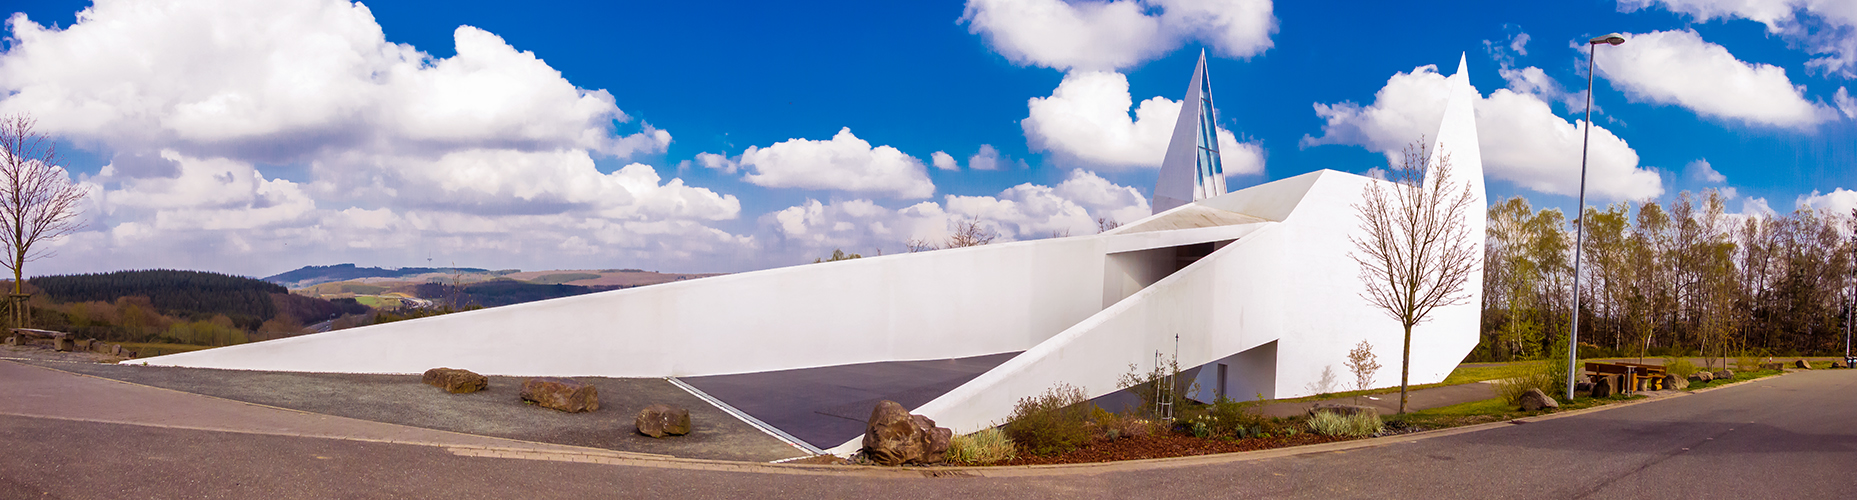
(1850, 313)
(1579, 244)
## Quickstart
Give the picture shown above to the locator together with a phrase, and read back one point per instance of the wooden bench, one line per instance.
(1651, 377)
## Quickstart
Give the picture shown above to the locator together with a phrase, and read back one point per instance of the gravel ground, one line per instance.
(41, 350)
(496, 411)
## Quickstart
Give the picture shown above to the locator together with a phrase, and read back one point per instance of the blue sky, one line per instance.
(257, 140)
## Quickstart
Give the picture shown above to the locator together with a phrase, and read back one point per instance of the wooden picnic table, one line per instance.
(1650, 377)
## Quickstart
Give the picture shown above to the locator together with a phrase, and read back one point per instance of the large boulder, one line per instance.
(1773, 366)
(1802, 364)
(455, 381)
(1675, 383)
(1702, 376)
(1535, 400)
(659, 420)
(1602, 386)
(561, 394)
(1838, 363)
(1724, 374)
(895, 437)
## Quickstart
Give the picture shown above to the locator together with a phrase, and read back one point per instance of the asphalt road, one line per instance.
(1788, 437)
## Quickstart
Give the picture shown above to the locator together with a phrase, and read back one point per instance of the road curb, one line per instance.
(530, 450)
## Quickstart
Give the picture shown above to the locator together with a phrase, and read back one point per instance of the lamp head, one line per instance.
(1612, 38)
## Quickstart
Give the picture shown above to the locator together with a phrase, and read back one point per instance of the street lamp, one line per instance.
(1579, 244)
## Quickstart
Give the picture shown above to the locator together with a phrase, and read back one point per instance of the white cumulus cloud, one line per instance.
(1838, 202)
(387, 154)
(943, 160)
(1023, 212)
(1086, 119)
(844, 163)
(1702, 171)
(1680, 68)
(1096, 35)
(1523, 141)
(1826, 28)
(1846, 104)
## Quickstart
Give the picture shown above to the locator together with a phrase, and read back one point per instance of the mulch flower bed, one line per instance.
(1168, 445)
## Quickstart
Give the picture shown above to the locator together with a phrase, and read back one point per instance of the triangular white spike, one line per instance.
(1192, 169)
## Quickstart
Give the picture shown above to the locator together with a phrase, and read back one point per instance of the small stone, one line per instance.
(1802, 364)
(1535, 400)
(659, 420)
(455, 381)
(561, 394)
(1602, 387)
(1675, 383)
(895, 437)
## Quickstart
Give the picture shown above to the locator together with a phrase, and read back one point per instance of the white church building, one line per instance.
(1252, 290)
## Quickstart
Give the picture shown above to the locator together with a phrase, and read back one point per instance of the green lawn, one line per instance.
(1464, 374)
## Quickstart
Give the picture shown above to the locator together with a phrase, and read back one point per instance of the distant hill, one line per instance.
(315, 275)
(190, 295)
(502, 292)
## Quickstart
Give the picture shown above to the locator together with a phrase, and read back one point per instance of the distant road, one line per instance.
(1790, 437)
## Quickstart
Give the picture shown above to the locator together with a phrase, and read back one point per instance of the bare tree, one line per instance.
(1363, 363)
(919, 245)
(1417, 252)
(969, 233)
(1104, 224)
(38, 201)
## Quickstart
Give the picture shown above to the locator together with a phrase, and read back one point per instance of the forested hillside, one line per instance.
(1684, 279)
(246, 301)
(189, 307)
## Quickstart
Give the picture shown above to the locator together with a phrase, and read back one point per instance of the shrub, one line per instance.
(1230, 418)
(1050, 423)
(981, 448)
(1680, 367)
(1334, 424)
(1549, 377)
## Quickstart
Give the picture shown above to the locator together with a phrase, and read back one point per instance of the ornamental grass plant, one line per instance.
(1361, 424)
(981, 448)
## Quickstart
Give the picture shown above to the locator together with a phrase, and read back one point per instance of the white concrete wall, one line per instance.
(932, 305)
(1291, 283)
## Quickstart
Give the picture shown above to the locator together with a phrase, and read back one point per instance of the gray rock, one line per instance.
(455, 381)
(659, 420)
(1675, 383)
(561, 394)
(1535, 400)
(895, 437)
(1602, 387)
(1802, 364)
(1724, 374)
(1702, 376)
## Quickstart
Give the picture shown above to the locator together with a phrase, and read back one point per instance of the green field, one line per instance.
(377, 302)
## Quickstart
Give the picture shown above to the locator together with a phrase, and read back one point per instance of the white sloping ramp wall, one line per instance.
(1289, 283)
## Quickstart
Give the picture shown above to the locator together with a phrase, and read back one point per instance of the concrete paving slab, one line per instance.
(827, 406)
(496, 411)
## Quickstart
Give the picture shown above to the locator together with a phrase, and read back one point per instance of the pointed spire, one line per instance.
(1457, 137)
(1192, 169)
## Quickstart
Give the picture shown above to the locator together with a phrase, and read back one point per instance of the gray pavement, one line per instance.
(830, 405)
(496, 411)
(1786, 437)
